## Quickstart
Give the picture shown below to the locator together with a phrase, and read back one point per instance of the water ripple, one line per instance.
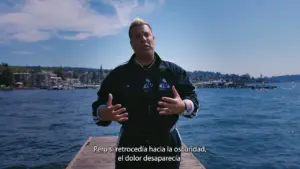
(239, 128)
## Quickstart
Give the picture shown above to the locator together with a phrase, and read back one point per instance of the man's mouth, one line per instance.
(146, 46)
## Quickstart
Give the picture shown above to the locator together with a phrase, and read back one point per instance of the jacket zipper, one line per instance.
(149, 109)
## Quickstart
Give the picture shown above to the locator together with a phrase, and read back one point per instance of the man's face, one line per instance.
(142, 40)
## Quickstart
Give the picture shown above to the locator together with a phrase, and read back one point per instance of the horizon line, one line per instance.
(116, 66)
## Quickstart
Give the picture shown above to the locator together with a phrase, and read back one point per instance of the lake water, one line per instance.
(240, 128)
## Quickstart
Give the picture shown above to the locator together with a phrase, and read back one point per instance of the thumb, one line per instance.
(175, 93)
(109, 101)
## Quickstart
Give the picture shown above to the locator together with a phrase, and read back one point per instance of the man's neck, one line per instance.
(145, 60)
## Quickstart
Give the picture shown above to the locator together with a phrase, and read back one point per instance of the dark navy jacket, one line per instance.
(140, 90)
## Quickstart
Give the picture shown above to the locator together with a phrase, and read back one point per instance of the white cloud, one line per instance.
(36, 20)
(22, 52)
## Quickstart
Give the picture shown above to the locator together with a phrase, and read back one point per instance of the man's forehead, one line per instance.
(140, 29)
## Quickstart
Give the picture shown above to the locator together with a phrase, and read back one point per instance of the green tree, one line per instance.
(3, 66)
(94, 77)
(39, 69)
(59, 71)
(6, 77)
(75, 75)
(246, 77)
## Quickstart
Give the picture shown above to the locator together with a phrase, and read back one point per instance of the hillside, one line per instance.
(287, 78)
(196, 75)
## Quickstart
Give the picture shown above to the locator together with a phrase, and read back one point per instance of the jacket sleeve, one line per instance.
(187, 91)
(107, 87)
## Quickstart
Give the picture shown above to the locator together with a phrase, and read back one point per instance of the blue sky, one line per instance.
(232, 36)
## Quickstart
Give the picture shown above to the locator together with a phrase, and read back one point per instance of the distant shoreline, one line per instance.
(25, 88)
(259, 86)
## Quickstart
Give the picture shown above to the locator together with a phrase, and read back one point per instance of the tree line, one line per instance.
(6, 74)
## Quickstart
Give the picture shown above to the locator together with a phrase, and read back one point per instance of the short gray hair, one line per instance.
(137, 22)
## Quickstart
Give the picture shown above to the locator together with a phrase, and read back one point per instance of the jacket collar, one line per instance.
(132, 61)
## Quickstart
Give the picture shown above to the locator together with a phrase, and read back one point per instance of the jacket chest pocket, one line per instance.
(165, 87)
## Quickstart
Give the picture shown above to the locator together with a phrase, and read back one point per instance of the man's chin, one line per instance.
(150, 51)
(145, 52)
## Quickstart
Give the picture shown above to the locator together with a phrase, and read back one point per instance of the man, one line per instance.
(146, 96)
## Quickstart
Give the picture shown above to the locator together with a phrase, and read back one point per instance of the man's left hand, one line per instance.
(171, 105)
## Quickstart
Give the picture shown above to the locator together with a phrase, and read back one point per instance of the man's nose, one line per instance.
(143, 39)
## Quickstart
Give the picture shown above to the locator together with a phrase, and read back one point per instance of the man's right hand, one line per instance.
(112, 112)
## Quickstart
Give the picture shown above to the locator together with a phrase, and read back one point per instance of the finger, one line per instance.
(164, 104)
(109, 100)
(118, 111)
(162, 109)
(122, 115)
(175, 93)
(115, 107)
(168, 112)
(122, 119)
(168, 99)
